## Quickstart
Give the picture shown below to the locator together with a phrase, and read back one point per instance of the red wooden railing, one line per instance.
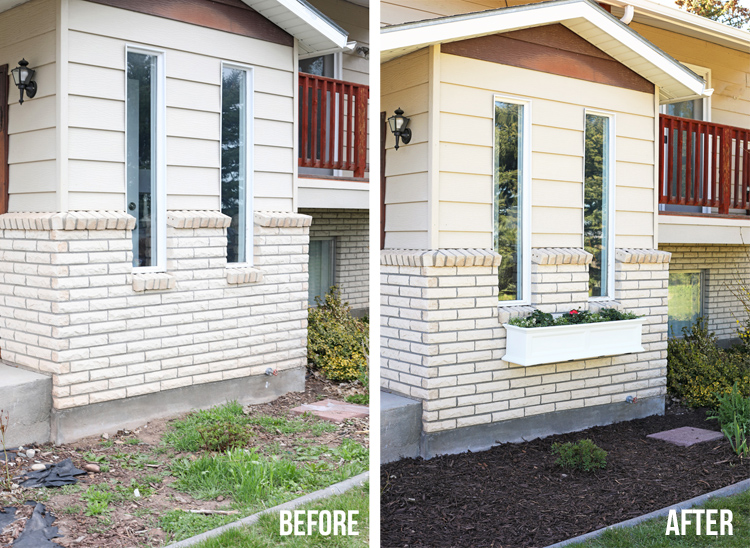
(333, 124)
(704, 164)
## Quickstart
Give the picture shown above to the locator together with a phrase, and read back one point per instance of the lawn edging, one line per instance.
(331, 490)
(733, 489)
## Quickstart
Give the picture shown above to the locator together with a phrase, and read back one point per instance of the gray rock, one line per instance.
(38, 467)
(31, 453)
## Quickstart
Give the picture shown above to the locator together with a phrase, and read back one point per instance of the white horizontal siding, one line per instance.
(558, 106)
(193, 60)
(28, 31)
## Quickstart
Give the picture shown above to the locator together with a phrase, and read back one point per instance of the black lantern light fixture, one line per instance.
(22, 76)
(400, 127)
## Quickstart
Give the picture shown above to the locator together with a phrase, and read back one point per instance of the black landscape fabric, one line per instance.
(55, 475)
(38, 532)
(11, 456)
(7, 516)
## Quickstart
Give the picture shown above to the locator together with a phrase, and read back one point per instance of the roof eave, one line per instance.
(298, 18)
(673, 79)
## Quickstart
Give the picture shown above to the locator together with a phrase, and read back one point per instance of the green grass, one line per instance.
(134, 461)
(253, 481)
(651, 534)
(359, 399)
(97, 499)
(266, 533)
(184, 434)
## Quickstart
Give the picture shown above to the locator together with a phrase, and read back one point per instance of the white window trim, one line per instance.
(525, 262)
(160, 218)
(249, 157)
(611, 210)
(705, 73)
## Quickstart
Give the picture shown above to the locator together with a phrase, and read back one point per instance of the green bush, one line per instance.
(224, 435)
(337, 342)
(583, 455)
(699, 371)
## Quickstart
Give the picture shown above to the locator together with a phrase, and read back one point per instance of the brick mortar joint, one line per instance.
(440, 257)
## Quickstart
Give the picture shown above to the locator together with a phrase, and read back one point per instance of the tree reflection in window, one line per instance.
(596, 202)
(508, 198)
(233, 161)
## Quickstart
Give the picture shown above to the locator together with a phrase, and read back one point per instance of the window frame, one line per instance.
(249, 155)
(160, 131)
(612, 189)
(334, 270)
(525, 209)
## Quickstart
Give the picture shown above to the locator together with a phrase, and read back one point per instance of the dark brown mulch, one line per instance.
(514, 495)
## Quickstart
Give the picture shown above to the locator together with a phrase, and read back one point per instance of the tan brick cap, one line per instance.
(198, 219)
(560, 255)
(439, 257)
(282, 219)
(71, 220)
(651, 256)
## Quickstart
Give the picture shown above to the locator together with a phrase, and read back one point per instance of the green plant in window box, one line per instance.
(544, 319)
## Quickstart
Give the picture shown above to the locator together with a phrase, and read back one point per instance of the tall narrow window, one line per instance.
(509, 199)
(145, 156)
(322, 267)
(597, 221)
(236, 160)
(686, 295)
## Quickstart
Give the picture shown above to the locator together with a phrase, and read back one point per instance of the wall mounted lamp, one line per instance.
(22, 76)
(400, 127)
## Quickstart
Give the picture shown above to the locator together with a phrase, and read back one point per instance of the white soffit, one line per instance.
(313, 30)
(669, 17)
(584, 17)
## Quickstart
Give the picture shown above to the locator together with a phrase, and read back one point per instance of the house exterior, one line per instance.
(154, 236)
(552, 146)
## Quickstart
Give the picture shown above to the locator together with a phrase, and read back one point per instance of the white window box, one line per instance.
(561, 343)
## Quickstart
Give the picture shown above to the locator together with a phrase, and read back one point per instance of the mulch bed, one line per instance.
(514, 495)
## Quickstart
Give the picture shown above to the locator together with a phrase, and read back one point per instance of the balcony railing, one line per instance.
(704, 164)
(333, 124)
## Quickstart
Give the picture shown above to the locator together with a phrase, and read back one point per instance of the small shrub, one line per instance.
(583, 455)
(224, 435)
(733, 414)
(699, 371)
(337, 342)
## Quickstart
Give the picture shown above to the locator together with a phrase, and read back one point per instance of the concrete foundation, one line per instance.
(400, 427)
(27, 399)
(72, 424)
(484, 436)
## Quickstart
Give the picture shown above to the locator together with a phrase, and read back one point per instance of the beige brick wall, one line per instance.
(442, 335)
(724, 265)
(71, 306)
(350, 227)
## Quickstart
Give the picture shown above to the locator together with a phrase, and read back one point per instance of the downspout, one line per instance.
(627, 17)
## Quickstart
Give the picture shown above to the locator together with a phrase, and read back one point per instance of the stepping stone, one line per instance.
(332, 410)
(687, 436)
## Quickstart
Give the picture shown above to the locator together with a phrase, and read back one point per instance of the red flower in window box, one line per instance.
(574, 311)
